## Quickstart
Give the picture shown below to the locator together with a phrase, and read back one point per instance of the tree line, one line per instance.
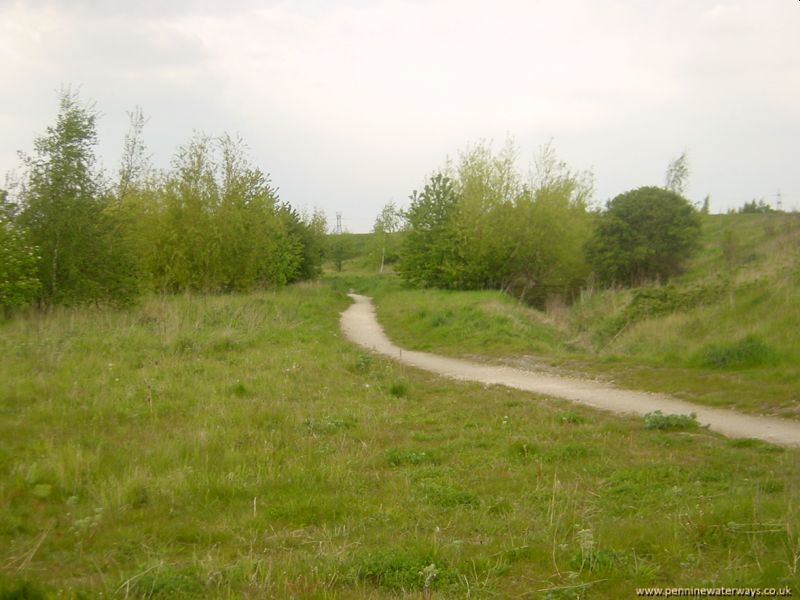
(212, 222)
(479, 223)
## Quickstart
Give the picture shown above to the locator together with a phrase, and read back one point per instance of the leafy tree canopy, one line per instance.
(65, 211)
(646, 233)
(481, 224)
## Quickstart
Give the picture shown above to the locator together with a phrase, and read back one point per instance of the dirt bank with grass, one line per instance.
(361, 326)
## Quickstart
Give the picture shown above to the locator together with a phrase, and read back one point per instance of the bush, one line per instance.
(405, 569)
(19, 284)
(750, 351)
(658, 420)
(644, 234)
(480, 225)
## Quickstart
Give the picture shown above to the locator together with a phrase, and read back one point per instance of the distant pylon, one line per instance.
(779, 203)
(338, 223)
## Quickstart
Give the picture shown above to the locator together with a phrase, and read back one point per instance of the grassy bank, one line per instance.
(229, 447)
(724, 334)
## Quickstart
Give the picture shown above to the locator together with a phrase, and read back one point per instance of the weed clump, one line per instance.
(659, 421)
(447, 496)
(238, 389)
(750, 351)
(523, 449)
(406, 569)
(398, 389)
(363, 363)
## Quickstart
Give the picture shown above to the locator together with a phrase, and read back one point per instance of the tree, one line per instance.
(310, 231)
(19, 284)
(220, 226)
(550, 227)
(429, 249)
(488, 185)
(6, 208)
(481, 225)
(255, 247)
(755, 207)
(706, 206)
(678, 174)
(340, 248)
(134, 164)
(64, 210)
(646, 233)
(386, 225)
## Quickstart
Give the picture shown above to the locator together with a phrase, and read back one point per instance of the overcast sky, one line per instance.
(349, 104)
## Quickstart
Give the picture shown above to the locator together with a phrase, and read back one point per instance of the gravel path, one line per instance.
(361, 326)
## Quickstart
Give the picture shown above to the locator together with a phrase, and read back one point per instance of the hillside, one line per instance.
(724, 333)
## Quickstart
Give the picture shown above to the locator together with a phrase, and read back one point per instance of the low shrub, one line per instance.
(405, 569)
(660, 421)
(750, 351)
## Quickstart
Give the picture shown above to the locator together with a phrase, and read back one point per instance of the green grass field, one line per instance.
(238, 447)
(726, 333)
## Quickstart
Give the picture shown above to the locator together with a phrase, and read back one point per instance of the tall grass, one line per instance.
(238, 447)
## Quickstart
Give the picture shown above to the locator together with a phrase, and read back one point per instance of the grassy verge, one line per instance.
(724, 334)
(238, 447)
(680, 354)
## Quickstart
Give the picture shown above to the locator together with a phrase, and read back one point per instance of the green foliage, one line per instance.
(398, 389)
(340, 248)
(218, 226)
(384, 238)
(310, 231)
(19, 283)
(212, 223)
(69, 217)
(429, 249)
(550, 228)
(750, 351)
(658, 420)
(404, 569)
(447, 496)
(479, 225)
(644, 234)
(755, 207)
(705, 207)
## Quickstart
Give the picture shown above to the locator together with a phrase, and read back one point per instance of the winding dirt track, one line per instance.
(361, 326)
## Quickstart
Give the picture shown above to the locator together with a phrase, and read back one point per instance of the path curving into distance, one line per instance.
(361, 326)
